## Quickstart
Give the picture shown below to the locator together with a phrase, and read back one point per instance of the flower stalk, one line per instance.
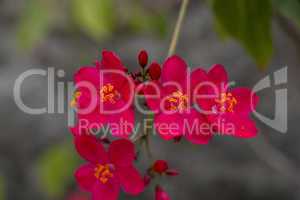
(179, 22)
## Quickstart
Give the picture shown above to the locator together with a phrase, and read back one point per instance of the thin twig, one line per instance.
(178, 26)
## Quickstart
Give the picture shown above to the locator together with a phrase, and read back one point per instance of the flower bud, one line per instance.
(143, 58)
(160, 166)
(154, 71)
(172, 172)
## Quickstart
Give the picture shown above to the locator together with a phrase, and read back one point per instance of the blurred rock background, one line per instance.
(37, 158)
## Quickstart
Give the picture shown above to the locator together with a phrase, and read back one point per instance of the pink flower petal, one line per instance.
(198, 79)
(107, 191)
(84, 100)
(152, 93)
(121, 81)
(246, 100)
(236, 125)
(168, 125)
(198, 130)
(121, 124)
(218, 74)
(89, 74)
(85, 177)
(131, 180)
(90, 149)
(246, 129)
(174, 70)
(110, 60)
(204, 91)
(122, 152)
(92, 119)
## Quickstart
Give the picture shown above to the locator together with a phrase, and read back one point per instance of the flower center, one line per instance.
(103, 173)
(108, 93)
(75, 98)
(226, 102)
(177, 101)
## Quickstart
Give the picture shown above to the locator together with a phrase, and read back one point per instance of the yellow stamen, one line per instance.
(227, 102)
(75, 98)
(103, 173)
(108, 93)
(178, 101)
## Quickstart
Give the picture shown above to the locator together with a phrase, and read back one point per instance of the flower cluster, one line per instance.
(180, 103)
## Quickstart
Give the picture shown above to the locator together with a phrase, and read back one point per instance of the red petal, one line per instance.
(131, 180)
(122, 152)
(152, 93)
(168, 125)
(107, 191)
(160, 194)
(89, 74)
(246, 100)
(204, 91)
(198, 79)
(174, 70)
(85, 177)
(110, 60)
(197, 132)
(90, 149)
(218, 74)
(121, 124)
(236, 125)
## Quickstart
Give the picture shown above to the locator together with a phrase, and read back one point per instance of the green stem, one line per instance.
(178, 26)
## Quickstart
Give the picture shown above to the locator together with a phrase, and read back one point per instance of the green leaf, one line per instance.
(34, 24)
(289, 8)
(249, 22)
(95, 17)
(56, 168)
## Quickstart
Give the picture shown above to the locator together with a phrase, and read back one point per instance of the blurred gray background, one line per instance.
(37, 159)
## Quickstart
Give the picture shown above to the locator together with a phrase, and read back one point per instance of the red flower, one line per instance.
(229, 109)
(106, 171)
(160, 194)
(171, 101)
(107, 91)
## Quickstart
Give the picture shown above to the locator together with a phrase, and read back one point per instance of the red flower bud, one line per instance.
(160, 194)
(160, 166)
(154, 71)
(172, 172)
(143, 58)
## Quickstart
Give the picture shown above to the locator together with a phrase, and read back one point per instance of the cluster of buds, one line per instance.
(146, 72)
